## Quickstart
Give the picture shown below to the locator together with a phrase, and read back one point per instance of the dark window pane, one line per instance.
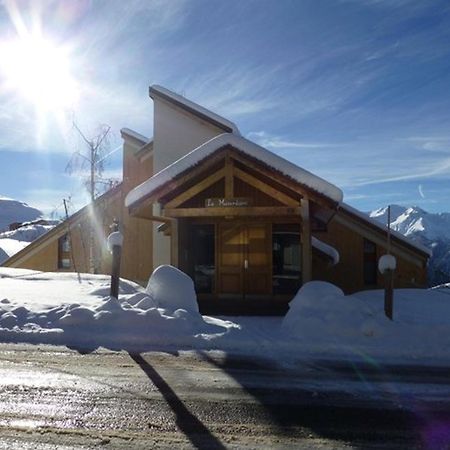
(202, 246)
(286, 258)
(370, 262)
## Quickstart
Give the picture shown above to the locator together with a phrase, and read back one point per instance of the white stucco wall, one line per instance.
(176, 132)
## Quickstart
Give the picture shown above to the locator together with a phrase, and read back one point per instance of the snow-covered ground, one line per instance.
(12, 242)
(76, 310)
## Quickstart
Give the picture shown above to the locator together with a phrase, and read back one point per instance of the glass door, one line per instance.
(286, 258)
(202, 257)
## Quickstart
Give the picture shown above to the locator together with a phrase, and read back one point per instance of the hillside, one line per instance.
(429, 229)
(13, 211)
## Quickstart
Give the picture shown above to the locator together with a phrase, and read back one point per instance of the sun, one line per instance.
(39, 71)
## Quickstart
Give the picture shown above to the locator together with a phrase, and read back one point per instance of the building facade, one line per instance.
(248, 226)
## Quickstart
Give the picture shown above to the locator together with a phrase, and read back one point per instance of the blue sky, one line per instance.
(356, 91)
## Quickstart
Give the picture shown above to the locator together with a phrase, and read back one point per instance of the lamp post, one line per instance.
(115, 241)
(387, 265)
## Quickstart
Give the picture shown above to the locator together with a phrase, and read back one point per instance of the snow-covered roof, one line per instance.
(326, 249)
(135, 135)
(382, 227)
(200, 111)
(193, 158)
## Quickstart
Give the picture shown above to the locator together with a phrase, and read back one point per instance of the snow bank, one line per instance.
(172, 289)
(75, 310)
(321, 316)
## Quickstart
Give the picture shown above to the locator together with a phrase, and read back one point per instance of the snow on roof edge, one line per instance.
(382, 227)
(191, 159)
(326, 248)
(179, 99)
(135, 135)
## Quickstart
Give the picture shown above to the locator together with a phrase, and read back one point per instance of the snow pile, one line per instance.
(172, 289)
(321, 316)
(320, 310)
(64, 308)
(76, 311)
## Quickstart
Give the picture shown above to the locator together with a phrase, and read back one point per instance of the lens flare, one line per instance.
(39, 71)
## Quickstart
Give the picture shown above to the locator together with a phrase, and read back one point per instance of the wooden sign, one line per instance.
(227, 202)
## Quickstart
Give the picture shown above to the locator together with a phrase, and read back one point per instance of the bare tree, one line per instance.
(92, 159)
(90, 162)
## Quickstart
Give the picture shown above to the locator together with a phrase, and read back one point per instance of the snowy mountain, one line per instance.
(429, 229)
(13, 211)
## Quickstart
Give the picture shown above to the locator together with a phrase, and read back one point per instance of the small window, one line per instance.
(370, 262)
(66, 244)
(65, 263)
(64, 257)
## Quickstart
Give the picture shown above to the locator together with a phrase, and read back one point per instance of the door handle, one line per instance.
(245, 264)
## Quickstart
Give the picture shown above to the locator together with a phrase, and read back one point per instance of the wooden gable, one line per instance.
(249, 186)
(228, 188)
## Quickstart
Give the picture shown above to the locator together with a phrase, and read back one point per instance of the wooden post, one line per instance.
(306, 241)
(115, 241)
(174, 243)
(115, 271)
(389, 294)
(389, 277)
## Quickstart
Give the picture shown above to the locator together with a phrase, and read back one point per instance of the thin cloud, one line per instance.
(442, 169)
(276, 142)
(420, 189)
(232, 90)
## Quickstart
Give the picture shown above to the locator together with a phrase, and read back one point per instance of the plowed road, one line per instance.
(54, 398)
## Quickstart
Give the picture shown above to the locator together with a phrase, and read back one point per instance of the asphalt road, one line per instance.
(54, 398)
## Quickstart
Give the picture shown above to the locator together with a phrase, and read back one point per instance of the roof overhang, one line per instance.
(201, 154)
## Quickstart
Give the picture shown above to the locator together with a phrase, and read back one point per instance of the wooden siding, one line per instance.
(137, 256)
(348, 273)
(343, 232)
(137, 247)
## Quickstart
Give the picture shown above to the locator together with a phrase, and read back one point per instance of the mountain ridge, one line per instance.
(431, 230)
(16, 211)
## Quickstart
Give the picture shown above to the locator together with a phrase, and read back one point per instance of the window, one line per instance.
(286, 258)
(202, 249)
(64, 258)
(370, 262)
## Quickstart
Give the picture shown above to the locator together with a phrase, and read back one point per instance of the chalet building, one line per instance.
(248, 226)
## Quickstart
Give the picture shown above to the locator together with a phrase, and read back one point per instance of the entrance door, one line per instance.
(244, 260)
